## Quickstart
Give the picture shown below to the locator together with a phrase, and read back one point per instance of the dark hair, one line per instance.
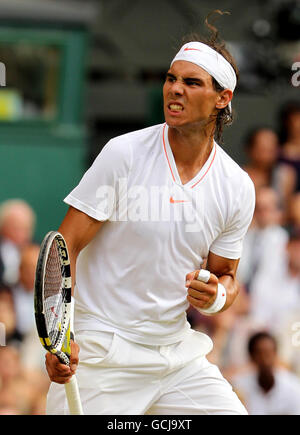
(224, 116)
(259, 336)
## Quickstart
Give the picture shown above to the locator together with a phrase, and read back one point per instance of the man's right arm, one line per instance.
(78, 229)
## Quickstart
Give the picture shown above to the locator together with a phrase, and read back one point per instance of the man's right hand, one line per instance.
(61, 373)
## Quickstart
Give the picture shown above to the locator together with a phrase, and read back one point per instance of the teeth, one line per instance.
(175, 107)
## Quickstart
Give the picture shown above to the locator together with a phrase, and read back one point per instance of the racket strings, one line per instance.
(54, 294)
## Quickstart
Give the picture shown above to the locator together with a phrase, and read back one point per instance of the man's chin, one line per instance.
(182, 124)
(173, 123)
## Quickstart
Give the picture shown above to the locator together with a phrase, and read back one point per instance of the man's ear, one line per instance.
(224, 97)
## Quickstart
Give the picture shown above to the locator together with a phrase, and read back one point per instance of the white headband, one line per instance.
(211, 61)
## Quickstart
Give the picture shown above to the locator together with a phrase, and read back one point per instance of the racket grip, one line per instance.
(73, 397)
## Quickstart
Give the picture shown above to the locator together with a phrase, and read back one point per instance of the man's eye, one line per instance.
(192, 83)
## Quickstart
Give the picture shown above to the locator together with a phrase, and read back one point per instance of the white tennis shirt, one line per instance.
(130, 279)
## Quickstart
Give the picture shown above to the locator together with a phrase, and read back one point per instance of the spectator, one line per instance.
(8, 402)
(263, 259)
(20, 395)
(23, 292)
(22, 391)
(288, 338)
(262, 147)
(17, 221)
(10, 367)
(24, 394)
(290, 137)
(7, 314)
(265, 242)
(267, 389)
(274, 301)
(275, 290)
(287, 335)
(31, 352)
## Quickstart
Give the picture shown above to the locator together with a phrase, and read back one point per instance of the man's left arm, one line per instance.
(209, 295)
(222, 270)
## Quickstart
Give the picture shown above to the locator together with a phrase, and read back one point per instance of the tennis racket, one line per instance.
(53, 307)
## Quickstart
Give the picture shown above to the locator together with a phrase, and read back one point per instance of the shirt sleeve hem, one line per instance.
(232, 255)
(76, 203)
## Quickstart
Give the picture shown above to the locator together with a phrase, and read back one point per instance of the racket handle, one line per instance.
(73, 397)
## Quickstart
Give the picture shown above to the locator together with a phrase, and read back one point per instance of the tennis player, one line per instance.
(153, 206)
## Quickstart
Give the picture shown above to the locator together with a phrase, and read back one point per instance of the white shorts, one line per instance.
(119, 377)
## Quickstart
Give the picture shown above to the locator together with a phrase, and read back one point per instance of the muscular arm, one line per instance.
(223, 270)
(78, 230)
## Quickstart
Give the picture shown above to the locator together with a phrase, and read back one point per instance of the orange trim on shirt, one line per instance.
(207, 168)
(166, 152)
(171, 167)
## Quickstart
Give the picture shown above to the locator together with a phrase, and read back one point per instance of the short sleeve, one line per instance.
(96, 193)
(229, 243)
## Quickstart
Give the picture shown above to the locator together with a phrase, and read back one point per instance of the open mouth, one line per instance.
(175, 107)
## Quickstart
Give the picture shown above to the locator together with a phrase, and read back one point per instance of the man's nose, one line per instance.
(177, 88)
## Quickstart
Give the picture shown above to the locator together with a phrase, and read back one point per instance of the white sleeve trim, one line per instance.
(232, 255)
(76, 203)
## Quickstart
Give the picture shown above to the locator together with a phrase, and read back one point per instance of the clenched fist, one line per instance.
(61, 373)
(201, 295)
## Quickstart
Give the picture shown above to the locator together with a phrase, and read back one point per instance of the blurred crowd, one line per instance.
(256, 341)
(23, 379)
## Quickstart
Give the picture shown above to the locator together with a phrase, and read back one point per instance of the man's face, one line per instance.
(265, 148)
(18, 226)
(189, 96)
(267, 211)
(264, 355)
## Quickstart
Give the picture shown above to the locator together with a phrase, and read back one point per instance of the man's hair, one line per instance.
(224, 116)
(8, 205)
(252, 342)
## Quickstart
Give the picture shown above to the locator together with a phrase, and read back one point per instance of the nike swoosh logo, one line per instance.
(177, 201)
(188, 49)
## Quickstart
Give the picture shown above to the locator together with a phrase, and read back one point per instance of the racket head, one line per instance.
(52, 296)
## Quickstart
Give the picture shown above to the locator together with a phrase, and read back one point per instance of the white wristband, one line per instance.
(218, 303)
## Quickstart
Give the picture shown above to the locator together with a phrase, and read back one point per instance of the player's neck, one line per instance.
(191, 146)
